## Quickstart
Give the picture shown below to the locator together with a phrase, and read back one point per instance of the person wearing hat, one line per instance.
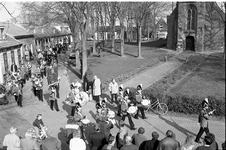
(113, 88)
(96, 139)
(17, 92)
(11, 141)
(53, 98)
(51, 143)
(128, 93)
(203, 120)
(139, 99)
(39, 87)
(119, 99)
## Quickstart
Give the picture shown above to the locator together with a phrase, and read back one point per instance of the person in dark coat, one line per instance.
(97, 139)
(169, 142)
(17, 92)
(51, 143)
(13, 67)
(110, 145)
(105, 127)
(206, 143)
(153, 143)
(88, 79)
(139, 98)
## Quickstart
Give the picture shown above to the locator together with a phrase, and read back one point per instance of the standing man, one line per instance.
(113, 88)
(120, 97)
(169, 142)
(39, 87)
(88, 80)
(203, 120)
(153, 143)
(13, 67)
(17, 92)
(77, 143)
(206, 144)
(29, 66)
(12, 141)
(53, 98)
(139, 99)
(139, 138)
(96, 139)
(51, 143)
(96, 89)
(129, 145)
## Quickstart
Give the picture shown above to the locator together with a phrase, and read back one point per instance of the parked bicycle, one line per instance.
(156, 106)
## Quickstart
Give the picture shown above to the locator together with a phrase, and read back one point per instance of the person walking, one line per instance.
(139, 98)
(203, 120)
(96, 89)
(97, 139)
(51, 143)
(129, 145)
(113, 88)
(139, 137)
(169, 142)
(17, 92)
(53, 98)
(12, 141)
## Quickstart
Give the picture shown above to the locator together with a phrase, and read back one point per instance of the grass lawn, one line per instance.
(111, 65)
(207, 80)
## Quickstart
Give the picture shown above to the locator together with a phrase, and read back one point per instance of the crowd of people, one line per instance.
(80, 133)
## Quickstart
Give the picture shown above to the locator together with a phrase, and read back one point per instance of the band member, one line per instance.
(53, 98)
(22, 73)
(139, 98)
(124, 107)
(42, 70)
(119, 99)
(33, 79)
(203, 120)
(29, 66)
(39, 87)
(13, 67)
(17, 92)
(113, 88)
(129, 94)
(72, 99)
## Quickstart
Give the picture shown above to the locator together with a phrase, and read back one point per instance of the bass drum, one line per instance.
(132, 110)
(84, 98)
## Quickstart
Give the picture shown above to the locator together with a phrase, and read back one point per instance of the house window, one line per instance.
(160, 26)
(12, 56)
(192, 17)
(5, 62)
(19, 56)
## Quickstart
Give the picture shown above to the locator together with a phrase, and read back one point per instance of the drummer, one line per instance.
(119, 100)
(125, 103)
(139, 98)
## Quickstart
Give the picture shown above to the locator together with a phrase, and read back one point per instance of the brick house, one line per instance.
(161, 29)
(195, 26)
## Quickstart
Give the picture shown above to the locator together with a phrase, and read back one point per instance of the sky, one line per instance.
(13, 7)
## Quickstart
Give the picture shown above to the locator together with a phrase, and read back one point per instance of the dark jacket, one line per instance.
(38, 123)
(13, 68)
(129, 147)
(138, 139)
(106, 128)
(169, 144)
(151, 144)
(51, 143)
(97, 140)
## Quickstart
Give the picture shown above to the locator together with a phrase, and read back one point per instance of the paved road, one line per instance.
(11, 115)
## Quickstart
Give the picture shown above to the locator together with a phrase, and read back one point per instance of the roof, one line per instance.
(15, 30)
(50, 31)
(108, 29)
(9, 42)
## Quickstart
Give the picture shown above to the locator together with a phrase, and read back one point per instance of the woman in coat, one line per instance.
(96, 89)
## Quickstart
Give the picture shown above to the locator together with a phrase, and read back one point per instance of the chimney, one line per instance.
(1, 32)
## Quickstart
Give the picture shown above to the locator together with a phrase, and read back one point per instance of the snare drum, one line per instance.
(146, 102)
(132, 110)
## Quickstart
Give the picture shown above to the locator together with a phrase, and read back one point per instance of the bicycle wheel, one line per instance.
(162, 108)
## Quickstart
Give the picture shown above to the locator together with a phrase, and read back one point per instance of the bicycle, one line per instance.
(160, 108)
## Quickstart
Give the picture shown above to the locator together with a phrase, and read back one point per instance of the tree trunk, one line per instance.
(84, 52)
(113, 34)
(93, 32)
(137, 33)
(224, 30)
(122, 41)
(74, 47)
(139, 41)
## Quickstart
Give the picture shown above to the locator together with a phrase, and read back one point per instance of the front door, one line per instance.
(190, 43)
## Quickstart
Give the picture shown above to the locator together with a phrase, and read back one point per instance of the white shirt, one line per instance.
(77, 144)
(12, 141)
(113, 88)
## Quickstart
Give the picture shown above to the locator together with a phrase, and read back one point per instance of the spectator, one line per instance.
(169, 142)
(77, 143)
(70, 127)
(88, 79)
(96, 89)
(12, 141)
(223, 146)
(51, 143)
(214, 145)
(123, 132)
(129, 145)
(139, 138)
(153, 143)
(111, 144)
(97, 139)
(207, 142)
(188, 144)
(113, 88)
(28, 143)
(105, 127)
